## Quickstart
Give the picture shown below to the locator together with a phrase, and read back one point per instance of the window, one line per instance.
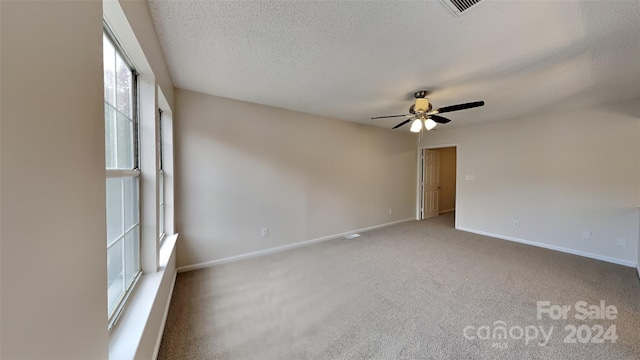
(161, 211)
(122, 176)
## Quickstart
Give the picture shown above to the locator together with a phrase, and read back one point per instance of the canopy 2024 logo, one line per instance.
(500, 332)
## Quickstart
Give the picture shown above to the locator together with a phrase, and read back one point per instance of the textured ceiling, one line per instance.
(353, 60)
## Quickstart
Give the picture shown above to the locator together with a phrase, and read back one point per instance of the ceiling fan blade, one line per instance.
(459, 107)
(402, 123)
(439, 119)
(389, 116)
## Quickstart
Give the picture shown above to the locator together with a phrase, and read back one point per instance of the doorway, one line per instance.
(437, 191)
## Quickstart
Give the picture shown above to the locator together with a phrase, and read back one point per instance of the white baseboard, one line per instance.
(164, 317)
(553, 247)
(281, 248)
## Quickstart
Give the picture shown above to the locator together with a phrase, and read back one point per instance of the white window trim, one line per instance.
(113, 173)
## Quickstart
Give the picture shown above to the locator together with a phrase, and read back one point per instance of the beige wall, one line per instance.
(242, 167)
(558, 174)
(53, 261)
(447, 199)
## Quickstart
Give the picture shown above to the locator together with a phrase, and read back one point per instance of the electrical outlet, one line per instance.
(265, 232)
(622, 242)
(471, 177)
(390, 211)
(516, 223)
(586, 234)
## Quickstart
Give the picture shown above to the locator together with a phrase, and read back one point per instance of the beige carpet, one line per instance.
(407, 291)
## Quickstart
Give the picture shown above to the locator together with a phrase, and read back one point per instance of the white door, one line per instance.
(431, 187)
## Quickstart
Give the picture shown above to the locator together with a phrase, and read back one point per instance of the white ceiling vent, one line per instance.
(460, 6)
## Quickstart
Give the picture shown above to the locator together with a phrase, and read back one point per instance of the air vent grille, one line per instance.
(459, 6)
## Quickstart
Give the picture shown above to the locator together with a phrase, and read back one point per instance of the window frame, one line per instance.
(161, 182)
(114, 313)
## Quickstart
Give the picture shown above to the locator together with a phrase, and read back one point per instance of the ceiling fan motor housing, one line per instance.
(422, 105)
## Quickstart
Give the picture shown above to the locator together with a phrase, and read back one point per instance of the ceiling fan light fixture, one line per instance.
(416, 126)
(430, 124)
(422, 112)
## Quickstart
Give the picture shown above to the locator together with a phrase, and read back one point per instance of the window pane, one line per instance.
(115, 275)
(125, 142)
(160, 139)
(161, 220)
(110, 136)
(130, 201)
(124, 81)
(114, 209)
(161, 203)
(109, 59)
(122, 193)
(161, 187)
(132, 254)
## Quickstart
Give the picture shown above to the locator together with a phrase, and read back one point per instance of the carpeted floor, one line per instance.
(417, 290)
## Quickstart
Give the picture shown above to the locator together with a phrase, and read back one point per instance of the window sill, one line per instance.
(147, 305)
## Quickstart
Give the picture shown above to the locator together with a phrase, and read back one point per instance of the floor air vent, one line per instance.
(351, 236)
(460, 6)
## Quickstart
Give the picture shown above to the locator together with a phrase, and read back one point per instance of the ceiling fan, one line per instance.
(423, 113)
